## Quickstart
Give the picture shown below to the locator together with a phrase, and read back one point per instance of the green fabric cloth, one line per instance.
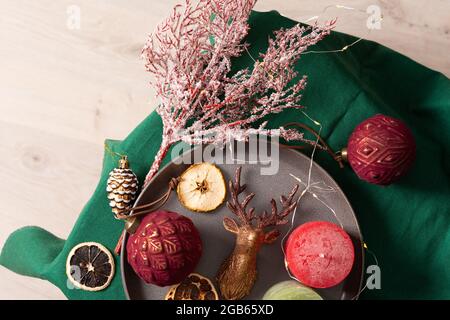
(406, 224)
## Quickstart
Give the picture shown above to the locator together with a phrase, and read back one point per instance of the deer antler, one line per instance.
(264, 220)
(276, 218)
(239, 208)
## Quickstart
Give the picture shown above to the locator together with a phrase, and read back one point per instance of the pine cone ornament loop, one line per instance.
(123, 163)
(122, 188)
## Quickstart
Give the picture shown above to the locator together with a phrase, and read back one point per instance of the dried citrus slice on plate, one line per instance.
(90, 266)
(194, 287)
(202, 187)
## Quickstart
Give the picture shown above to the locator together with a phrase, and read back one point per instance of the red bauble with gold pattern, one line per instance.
(165, 248)
(381, 149)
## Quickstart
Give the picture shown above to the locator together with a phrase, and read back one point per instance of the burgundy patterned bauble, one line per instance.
(381, 149)
(165, 248)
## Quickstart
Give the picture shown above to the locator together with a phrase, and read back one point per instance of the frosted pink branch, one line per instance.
(189, 56)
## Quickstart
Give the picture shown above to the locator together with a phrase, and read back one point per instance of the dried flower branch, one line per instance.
(189, 56)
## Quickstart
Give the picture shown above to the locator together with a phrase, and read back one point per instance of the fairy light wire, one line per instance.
(344, 48)
(335, 50)
(340, 7)
(308, 189)
(310, 185)
(113, 153)
(305, 190)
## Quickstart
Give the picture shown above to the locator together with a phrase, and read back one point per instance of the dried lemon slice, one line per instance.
(90, 266)
(202, 187)
(194, 287)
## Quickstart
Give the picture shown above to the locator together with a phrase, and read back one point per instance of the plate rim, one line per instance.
(294, 151)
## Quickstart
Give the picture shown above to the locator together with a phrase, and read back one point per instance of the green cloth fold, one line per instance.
(406, 224)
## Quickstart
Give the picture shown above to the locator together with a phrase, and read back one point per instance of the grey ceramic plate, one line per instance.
(218, 243)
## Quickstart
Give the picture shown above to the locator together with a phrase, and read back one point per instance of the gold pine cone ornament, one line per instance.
(122, 188)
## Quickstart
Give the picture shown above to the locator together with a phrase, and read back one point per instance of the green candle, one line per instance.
(291, 290)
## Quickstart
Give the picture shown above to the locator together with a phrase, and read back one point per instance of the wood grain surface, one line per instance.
(66, 86)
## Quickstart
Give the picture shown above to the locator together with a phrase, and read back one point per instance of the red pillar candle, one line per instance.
(319, 254)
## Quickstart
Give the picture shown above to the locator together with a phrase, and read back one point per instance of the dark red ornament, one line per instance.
(381, 149)
(165, 248)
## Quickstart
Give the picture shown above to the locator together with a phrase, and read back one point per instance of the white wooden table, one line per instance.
(64, 89)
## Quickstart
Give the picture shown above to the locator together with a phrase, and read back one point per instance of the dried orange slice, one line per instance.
(202, 187)
(194, 287)
(90, 266)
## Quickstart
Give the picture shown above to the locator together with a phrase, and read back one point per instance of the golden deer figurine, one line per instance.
(237, 274)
